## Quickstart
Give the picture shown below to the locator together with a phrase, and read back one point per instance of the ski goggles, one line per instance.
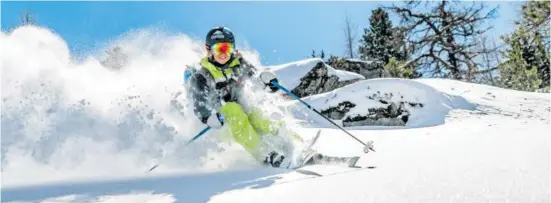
(222, 48)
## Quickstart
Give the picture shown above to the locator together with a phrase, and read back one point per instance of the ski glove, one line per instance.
(215, 121)
(267, 78)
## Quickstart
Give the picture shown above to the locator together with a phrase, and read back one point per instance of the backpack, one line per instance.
(188, 72)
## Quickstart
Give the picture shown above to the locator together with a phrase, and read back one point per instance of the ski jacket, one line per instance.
(215, 84)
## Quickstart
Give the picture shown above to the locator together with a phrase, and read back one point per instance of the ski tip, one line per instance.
(308, 172)
(353, 161)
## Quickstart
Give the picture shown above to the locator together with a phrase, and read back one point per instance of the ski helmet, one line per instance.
(219, 34)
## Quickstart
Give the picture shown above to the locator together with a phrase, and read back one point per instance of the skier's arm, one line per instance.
(250, 71)
(200, 94)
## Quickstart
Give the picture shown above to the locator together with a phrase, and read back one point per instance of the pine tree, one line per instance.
(516, 73)
(541, 54)
(536, 17)
(377, 42)
(532, 38)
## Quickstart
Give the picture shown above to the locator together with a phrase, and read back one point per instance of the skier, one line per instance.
(216, 89)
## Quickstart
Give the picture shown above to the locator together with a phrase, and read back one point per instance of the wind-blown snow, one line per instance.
(492, 144)
(64, 119)
(290, 74)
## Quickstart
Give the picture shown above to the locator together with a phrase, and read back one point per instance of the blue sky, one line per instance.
(292, 29)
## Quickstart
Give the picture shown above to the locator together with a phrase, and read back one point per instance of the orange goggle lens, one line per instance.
(222, 48)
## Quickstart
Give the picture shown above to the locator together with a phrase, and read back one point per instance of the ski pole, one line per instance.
(368, 145)
(187, 143)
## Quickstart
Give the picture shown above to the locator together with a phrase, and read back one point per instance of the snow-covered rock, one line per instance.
(383, 102)
(312, 76)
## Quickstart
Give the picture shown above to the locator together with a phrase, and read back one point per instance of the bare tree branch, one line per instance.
(445, 37)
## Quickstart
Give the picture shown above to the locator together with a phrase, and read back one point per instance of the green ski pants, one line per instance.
(247, 128)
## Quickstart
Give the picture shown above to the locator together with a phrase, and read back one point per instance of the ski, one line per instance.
(322, 165)
(321, 159)
(312, 163)
(332, 160)
(312, 157)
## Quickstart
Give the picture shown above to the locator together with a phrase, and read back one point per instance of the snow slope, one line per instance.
(290, 73)
(498, 152)
(68, 138)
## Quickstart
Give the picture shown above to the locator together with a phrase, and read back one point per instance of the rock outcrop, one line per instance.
(388, 113)
(318, 80)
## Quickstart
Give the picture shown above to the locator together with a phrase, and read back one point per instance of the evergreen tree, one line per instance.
(541, 54)
(516, 73)
(535, 21)
(532, 36)
(536, 17)
(377, 42)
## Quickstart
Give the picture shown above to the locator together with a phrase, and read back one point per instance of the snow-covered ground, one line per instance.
(497, 153)
(490, 144)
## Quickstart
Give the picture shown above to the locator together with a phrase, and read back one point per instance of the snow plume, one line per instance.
(64, 119)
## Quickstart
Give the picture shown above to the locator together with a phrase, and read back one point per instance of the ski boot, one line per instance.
(277, 160)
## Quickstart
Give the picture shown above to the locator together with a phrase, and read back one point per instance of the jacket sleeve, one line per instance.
(251, 73)
(248, 69)
(201, 94)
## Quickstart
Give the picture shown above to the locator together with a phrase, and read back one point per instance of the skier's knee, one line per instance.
(232, 110)
(233, 107)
